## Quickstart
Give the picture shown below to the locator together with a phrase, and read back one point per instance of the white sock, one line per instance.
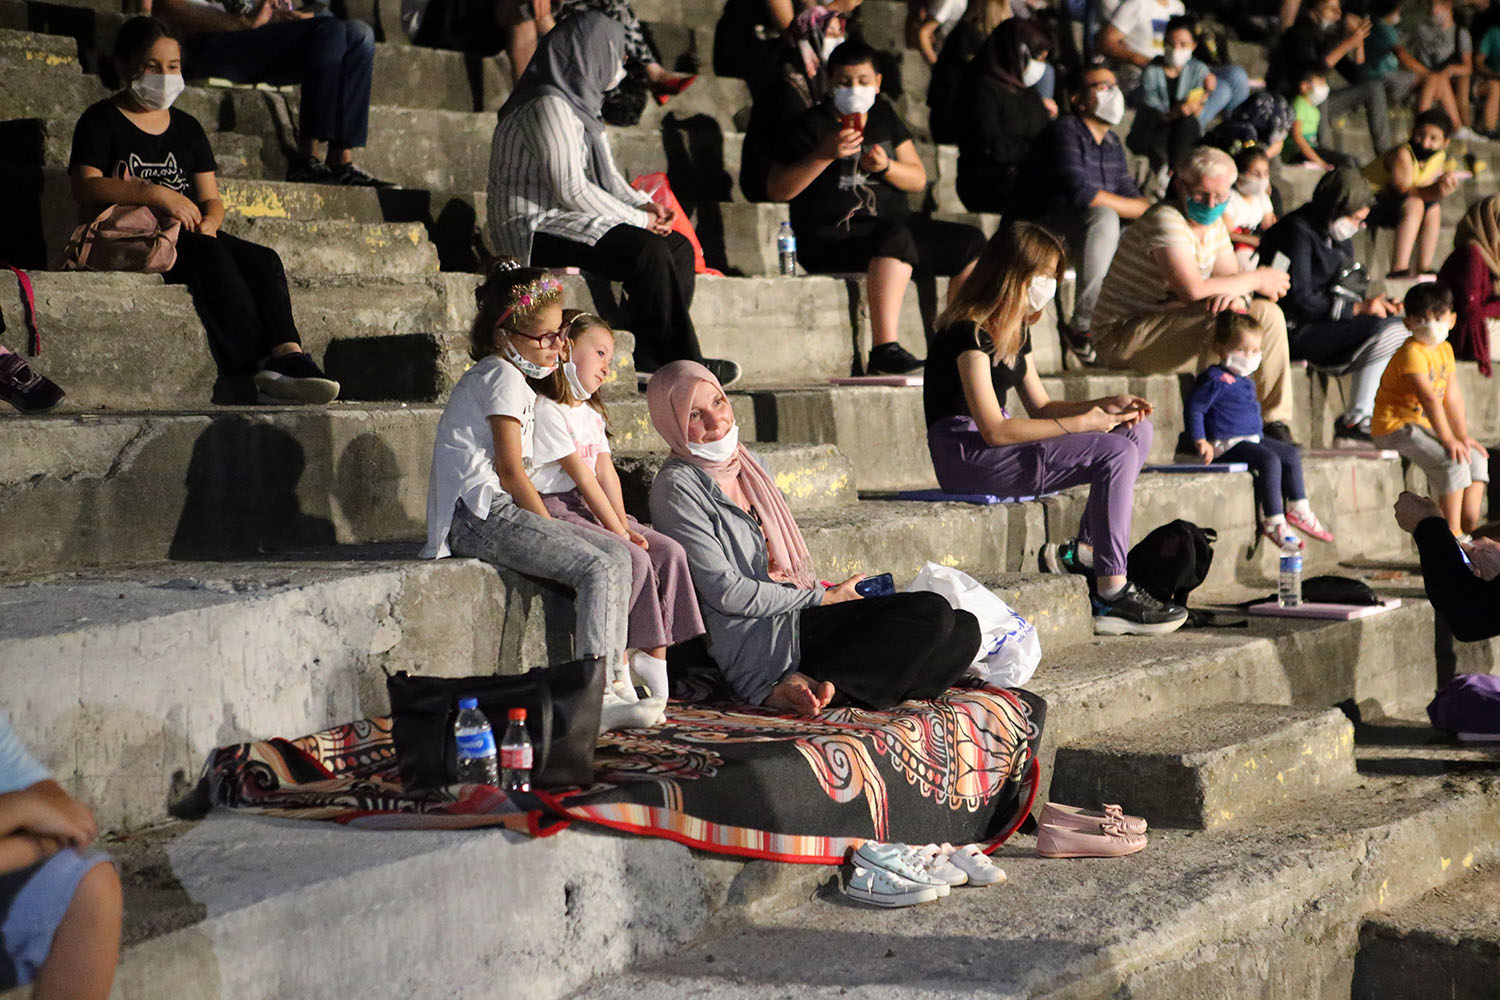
(649, 670)
(1300, 507)
(1275, 520)
(619, 681)
(1084, 554)
(1110, 595)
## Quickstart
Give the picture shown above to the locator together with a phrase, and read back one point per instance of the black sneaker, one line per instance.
(1355, 435)
(310, 171)
(1056, 557)
(294, 378)
(726, 371)
(1277, 430)
(892, 359)
(349, 175)
(25, 388)
(1079, 343)
(1135, 612)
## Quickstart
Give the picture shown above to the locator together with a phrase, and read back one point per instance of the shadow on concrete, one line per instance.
(365, 488)
(242, 494)
(694, 147)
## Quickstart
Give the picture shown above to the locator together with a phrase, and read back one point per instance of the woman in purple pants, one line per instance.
(978, 355)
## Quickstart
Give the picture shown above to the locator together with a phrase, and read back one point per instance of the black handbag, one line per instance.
(562, 717)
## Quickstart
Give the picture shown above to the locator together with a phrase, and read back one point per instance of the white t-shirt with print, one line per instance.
(1144, 24)
(560, 431)
(463, 456)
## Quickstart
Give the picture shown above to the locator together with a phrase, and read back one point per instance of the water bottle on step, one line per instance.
(477, 763)
(1289, 594)
(786, 249)
(515, 754)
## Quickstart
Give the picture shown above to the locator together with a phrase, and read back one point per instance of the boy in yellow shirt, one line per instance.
(1419, 410)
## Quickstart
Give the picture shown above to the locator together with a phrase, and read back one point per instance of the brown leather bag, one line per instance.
(124, 238)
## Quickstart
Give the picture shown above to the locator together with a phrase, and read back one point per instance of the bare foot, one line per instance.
(800, 694)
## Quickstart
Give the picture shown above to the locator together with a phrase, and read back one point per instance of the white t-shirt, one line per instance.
(560, 431)
(463, 456)
(1144, 24)
(1246, 213)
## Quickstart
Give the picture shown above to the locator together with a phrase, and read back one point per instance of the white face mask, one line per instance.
(1178, 58)
(1034, 71)
(1343, 229)
(157, 91)
(570, 372)
(721, 450)
(1242, 363)
(1432, 332)
(528, 368)
(1110, 107)
(618, 78)
(1319, 94)
(1252, 187)
(831, 42)
(1039, 291)
(854, 100)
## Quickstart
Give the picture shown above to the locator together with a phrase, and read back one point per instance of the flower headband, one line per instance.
(535, 294)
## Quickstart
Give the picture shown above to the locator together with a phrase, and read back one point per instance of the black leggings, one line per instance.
(1166, 141)
(881, 651)
(657, 272)
(239, 289)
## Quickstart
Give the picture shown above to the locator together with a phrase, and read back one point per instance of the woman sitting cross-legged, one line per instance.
(779, 638)
(979, 355)
(134, 148)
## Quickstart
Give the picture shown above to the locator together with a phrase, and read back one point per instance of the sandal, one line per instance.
(974, 863)
(1087, 820)
(1309, 525)
(898, 860)
(878, 887)
(1111, 841)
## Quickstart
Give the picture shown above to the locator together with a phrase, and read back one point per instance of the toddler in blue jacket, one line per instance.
(1223, 422)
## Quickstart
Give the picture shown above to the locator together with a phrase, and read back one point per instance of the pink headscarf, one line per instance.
(669, 398)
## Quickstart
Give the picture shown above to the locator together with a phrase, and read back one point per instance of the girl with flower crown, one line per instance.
(579, 484)
(480, 499)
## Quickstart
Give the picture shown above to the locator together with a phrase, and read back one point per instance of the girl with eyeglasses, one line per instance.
(480, 498)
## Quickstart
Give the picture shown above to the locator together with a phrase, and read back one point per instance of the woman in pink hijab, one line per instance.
(779, 638)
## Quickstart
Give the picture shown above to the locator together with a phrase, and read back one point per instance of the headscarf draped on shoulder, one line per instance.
(669, 398)
(1005, 53)
(805, 36)
(1341, 192)
(1480, 229)
(575, 61)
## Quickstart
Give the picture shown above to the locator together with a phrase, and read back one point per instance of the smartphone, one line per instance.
(851, 121)
(1281, 262)
(875, 586)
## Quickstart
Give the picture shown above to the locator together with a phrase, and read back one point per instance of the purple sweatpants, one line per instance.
(663, 606)
(1109, 463)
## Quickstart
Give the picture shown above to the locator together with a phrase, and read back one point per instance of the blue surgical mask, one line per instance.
(1205, 215)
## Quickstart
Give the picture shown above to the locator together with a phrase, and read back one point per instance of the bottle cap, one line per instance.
(464, 704)
(516, 715)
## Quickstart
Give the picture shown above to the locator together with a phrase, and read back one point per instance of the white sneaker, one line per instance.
(878, 887)
(899, 860)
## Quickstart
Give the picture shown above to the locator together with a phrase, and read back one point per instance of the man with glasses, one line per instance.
(1078, 184)
(1175, 271)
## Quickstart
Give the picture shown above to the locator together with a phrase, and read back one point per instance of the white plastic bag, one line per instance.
(1010, 652)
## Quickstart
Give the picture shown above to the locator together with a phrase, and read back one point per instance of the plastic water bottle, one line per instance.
(515, 754)
(477, 764)
(786, 249)
(1289, 594)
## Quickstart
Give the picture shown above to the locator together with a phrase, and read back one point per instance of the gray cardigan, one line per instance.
(752, 620)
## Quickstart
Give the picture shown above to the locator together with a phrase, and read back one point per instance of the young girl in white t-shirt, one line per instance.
(578, 482)
(1250, 212)
(480, 498)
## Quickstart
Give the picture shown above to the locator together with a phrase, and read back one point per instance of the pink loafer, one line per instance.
(1057, 814)
(1111, 841)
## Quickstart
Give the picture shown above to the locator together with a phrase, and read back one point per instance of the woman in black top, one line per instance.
(974, 360)
(135, 149)
(1006, 115)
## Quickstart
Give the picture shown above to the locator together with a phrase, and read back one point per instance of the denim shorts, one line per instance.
(33, 902)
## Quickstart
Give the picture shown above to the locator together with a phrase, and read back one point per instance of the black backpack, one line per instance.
(1172, 560)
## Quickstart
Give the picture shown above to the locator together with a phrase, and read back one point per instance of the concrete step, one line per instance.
(1265, 912)
(338, 247)
(1209, 767)
(127, 679)
(1445, 944)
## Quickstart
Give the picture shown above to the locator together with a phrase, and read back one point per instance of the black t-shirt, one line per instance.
(943, 390)
(108, 141)
(824, 202)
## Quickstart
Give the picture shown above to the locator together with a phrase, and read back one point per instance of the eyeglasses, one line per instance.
(549, 339)
(1208, 199)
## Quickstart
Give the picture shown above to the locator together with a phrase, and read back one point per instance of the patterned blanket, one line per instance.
(721, 777)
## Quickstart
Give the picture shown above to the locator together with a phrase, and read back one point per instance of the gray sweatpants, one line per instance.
(595, 566)
(1092, 236)
(1422, 448)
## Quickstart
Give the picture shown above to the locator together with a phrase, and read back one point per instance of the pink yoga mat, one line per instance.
(1338, 612)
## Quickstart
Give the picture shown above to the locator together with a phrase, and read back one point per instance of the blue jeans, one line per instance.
(1230, 93)
(1277, 469)
(331, 59)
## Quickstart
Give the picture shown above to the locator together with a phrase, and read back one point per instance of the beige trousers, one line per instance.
(1182, 341)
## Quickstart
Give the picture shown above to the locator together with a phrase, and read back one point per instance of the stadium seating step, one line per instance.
(1445, 944)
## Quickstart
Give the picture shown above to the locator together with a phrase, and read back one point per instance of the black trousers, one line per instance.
(1166, 141)
(881, 651)
(657, 272)
(239, 289)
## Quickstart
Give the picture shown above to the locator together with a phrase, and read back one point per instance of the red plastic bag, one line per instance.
(660, 190)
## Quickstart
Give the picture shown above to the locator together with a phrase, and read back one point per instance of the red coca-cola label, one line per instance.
(515, 758)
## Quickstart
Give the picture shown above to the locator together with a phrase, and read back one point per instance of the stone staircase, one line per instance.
(179, 576)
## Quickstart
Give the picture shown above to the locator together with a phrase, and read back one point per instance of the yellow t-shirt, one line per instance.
(1396, 405)
(1427, 171)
